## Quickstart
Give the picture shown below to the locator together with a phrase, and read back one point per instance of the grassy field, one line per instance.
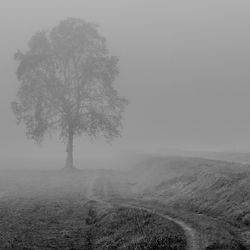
(205, 186)
(59, 210)
(52, 210)
(212, 195)
(73, 223)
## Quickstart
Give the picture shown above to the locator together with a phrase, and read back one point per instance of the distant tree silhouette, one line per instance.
(67, 80)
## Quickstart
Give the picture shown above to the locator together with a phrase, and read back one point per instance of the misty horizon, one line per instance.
(125, 125)
(183, 68)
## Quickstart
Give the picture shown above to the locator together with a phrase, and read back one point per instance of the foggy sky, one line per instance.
(184, 66)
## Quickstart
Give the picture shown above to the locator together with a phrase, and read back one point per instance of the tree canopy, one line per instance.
(67, 85)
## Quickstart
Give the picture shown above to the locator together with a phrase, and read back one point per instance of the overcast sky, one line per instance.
(184, 66)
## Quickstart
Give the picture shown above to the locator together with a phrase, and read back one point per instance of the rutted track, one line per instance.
(113, 188)
(193, 240)
(192, 237)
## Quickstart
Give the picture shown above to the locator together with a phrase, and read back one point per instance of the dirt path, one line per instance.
(193, 241)
(192, 237)
(92, 181)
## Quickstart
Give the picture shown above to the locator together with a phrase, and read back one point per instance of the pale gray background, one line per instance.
(185, 68)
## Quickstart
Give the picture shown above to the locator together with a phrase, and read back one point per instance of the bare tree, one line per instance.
(67, 80)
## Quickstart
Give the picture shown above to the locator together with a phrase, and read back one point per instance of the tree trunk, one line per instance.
(69, 161)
